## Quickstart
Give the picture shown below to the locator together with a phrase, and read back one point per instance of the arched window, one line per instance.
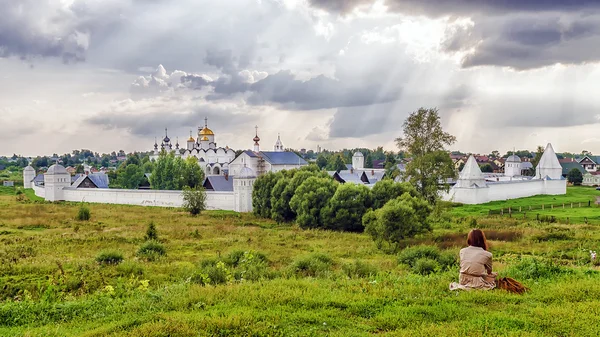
(216, 170)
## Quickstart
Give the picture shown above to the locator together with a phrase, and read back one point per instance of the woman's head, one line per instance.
(476, 238)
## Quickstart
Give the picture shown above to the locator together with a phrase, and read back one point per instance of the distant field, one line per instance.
(312, 283)
(574, 195)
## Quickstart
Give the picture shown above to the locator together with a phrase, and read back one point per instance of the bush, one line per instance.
(151, 233)
(194, 200)
(359, 269)
(410, 256)
(315, 265)
(83, 214)
(129, 268)
(425, 266)
(310, 198)
(397, 220)
(151, 250)
(237, 257)
(345, 209)
(109, 257)
(213, 272)
(532, 269)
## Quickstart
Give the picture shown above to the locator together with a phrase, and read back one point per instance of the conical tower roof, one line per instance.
(471, 175)
(471, 170)
(549, 159)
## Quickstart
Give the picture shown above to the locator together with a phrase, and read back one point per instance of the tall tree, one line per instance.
(346, 208)
(336, 163)
(425, 140)
(575, 177)
(538, 155)
(130, 177)
(321, 161)
(310, 197)
(369, 161)
(193, 174)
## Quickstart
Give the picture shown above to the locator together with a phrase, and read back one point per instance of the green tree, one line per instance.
(369, 161)
(386, 190)
(168, 173)
(538, 155)
(194, 200)
(398, 219)
(575, 177)
(261, 193)
(105, 162)
(285, 189)
(310, 198)
(486, 168)
(193, 174)
(130, 177)
(79, 169)
(425, 140)
(346, 208)
(336, 163)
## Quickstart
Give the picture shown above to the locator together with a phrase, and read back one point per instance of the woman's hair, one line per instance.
(476, 238)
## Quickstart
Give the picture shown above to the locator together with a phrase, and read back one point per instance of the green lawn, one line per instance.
(312, 283)
(575, 195)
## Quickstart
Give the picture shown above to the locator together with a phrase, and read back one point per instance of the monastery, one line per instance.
(474, 187)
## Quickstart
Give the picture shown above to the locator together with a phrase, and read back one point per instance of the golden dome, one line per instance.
(206, 132)
(191, 139)
(205, 138)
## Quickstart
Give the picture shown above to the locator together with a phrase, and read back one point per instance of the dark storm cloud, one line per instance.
(194, 81)
(365, 121)
(436, 8)
(33, 28)
(320, 92)
(526, 42)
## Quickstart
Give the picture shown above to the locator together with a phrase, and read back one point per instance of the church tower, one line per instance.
(512, 166)
(549, 166)
(190, 142)
(28, 176)
(358, 161)
(256, 139)
(55, 180)
(278, 144)
(243, 184)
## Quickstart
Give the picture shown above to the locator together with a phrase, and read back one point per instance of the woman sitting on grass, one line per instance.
(475, 264)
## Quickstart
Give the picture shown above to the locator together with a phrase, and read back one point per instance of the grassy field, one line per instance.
(229, 274)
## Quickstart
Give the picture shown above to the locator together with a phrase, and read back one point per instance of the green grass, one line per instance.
(574, 195)
(279, 280)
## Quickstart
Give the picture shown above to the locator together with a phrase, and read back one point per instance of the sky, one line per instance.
(107, 75)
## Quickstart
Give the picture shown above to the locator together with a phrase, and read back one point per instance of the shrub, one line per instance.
(151, 250)
(410, 256)
(359, 269)
(345, 209)
(109, 257)
(151, 232)
(237, 257)
(213, 273)
(310, 197)
(531, 269)
(315, 265)
(194, 200)
(84, 213)
(425, 266)
(397, 220)
(129, 268)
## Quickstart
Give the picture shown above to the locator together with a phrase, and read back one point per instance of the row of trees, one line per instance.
(312, 199)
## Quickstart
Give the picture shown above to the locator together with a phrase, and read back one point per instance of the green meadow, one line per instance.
(229, 274)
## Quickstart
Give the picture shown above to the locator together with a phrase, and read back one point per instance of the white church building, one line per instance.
(474, 187)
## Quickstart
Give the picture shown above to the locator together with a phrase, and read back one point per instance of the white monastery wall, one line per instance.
(39, 191)
(214, 200)
(506, 190)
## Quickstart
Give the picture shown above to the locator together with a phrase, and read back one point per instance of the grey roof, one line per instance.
(566, 167)
(374, 176)
(75, 177)
(357, 177)
(218, 184)
(283, 158)
(39, 178)
(57, 169)
(348, 166)
(252, 154)
(595, 159)
(514, 159)
(526, 165)
(100, 180)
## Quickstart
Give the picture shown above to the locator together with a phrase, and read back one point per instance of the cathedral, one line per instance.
(221, 161)
(213, 159)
